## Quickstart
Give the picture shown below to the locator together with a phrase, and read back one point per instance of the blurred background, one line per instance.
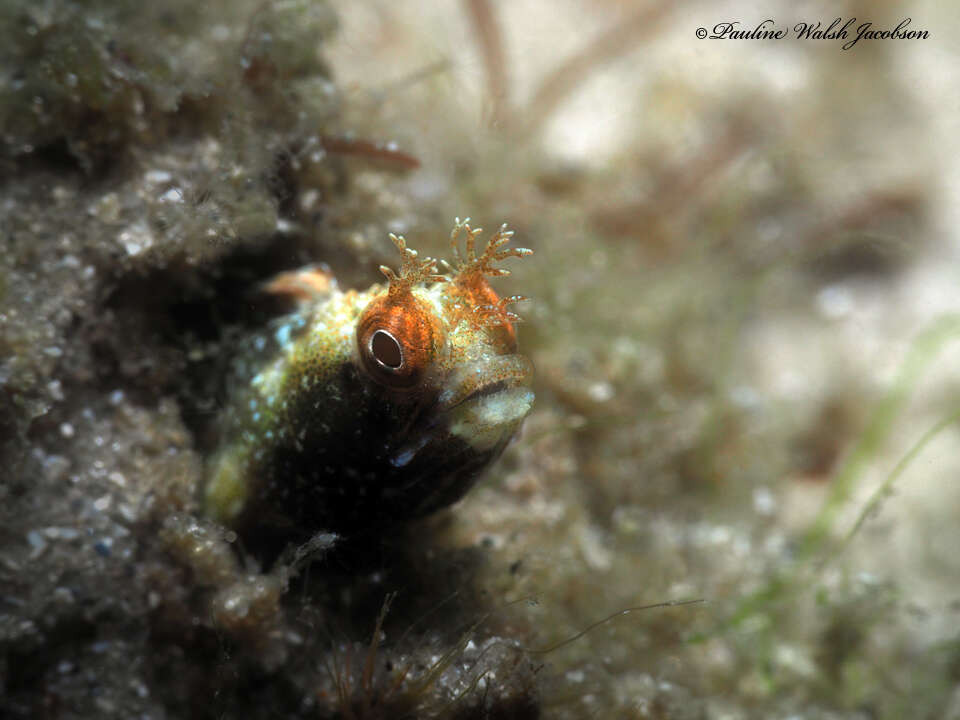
(744, 317)
(743, 323)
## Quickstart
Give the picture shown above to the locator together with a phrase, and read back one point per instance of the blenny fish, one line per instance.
(379, 406)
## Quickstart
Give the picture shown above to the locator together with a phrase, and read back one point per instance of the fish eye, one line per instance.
(386, 350)
(397, 340)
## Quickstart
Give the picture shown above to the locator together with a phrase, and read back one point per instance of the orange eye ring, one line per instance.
(397, 339)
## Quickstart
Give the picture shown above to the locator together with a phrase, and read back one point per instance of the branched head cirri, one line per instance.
(382, 405)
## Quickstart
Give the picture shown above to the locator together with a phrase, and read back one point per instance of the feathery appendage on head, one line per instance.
(468, 264)
(412, 269)
(496, 313)
(398, 335)
(470, 271)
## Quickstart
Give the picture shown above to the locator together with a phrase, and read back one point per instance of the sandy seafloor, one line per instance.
(744, 317)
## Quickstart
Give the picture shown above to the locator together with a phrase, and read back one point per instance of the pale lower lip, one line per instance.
(492, 416)
(482, 420)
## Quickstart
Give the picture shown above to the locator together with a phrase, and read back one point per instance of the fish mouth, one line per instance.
(482, 404)
(484, 401)
(483, 377)
(484, 391)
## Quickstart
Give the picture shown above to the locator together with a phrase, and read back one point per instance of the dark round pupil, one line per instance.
(386, 349)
